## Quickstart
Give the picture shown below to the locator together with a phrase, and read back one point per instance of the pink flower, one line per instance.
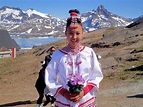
(75, 83)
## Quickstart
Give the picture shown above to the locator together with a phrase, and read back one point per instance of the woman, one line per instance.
(40, 82)
(49, 56)
(71, 60)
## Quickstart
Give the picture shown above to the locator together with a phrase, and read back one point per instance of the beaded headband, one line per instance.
(74, 18)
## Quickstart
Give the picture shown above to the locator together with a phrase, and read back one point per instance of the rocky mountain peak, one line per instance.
(101, 8)
(102, 11)
(7, 8)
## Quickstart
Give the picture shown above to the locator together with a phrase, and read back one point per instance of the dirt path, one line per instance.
(126, 95)
(111, 94)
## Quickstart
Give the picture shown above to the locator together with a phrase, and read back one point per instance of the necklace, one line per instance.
(74, 56)
(75, 50)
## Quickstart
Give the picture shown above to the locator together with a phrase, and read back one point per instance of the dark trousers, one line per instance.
(40, 91)
(49, 98)
(40, 86)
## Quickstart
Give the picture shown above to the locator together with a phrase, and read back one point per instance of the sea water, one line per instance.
(28, 43)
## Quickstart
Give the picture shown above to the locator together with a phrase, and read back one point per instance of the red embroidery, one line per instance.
(70, 63)
(78, 63)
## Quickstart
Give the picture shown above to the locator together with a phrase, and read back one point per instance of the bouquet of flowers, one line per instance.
(75, 83)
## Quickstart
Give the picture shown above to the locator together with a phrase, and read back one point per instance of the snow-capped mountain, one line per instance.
(30, 22)
(12, 15)
(100, 18)
(34, 22)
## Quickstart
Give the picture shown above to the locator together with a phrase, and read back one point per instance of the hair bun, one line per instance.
(74, 10)
(74, 18)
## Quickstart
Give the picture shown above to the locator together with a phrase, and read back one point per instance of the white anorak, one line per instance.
(61, 65)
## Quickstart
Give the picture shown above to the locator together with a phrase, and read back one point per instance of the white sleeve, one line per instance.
(96, 73)
(51, 75)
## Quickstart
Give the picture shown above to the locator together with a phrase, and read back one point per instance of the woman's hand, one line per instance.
(77, 97)
(72, 97)
(67, 95)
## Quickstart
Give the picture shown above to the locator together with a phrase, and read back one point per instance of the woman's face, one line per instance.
(74, 36)
(52, 51)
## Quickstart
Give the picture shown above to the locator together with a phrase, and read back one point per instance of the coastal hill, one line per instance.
(121, 51)
(6, 41)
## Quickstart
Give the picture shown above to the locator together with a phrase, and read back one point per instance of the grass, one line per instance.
(111, 30)
(139, 49)
(125, 73)
(18, 64)
(29, 62)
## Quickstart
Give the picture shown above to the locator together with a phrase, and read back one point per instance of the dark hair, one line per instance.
(74, 10)
(76, 18)
(50, 48)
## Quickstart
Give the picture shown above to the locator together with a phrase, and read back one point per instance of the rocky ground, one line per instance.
(114, 93)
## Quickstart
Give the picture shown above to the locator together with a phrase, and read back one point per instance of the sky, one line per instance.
(60, 8)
